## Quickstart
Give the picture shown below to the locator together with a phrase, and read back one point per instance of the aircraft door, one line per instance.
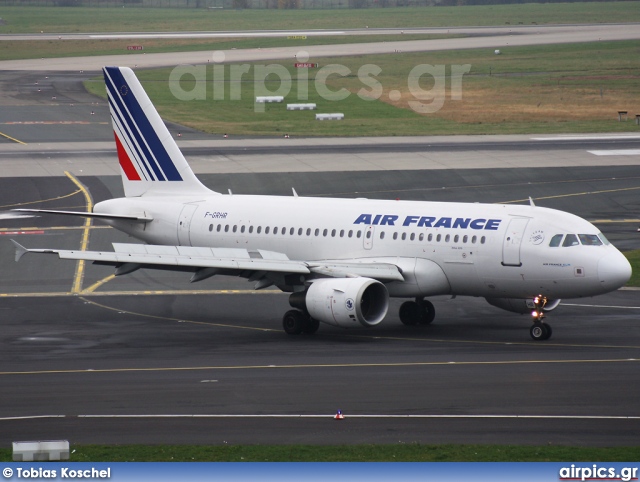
(368, 237)
(512, 241)
(184, 224)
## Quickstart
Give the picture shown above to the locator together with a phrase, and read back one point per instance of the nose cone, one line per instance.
(613, 270)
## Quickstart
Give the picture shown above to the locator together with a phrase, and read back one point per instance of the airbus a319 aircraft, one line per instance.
(341, 259)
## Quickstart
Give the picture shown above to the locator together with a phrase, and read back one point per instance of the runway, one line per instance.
(487, 38)
(149, 358)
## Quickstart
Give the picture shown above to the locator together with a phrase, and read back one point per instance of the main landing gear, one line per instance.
(540, 330)
(296, 322)
(418, 312)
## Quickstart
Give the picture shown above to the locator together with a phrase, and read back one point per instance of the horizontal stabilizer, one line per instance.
(140, 219)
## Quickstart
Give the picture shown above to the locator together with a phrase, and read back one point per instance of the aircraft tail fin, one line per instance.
(150, 160)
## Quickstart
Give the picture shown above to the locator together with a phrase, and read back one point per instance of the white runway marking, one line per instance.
(603, 306)
(616, 152)
(587, 137)
(330, 416)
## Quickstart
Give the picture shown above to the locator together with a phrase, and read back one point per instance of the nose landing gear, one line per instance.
(540, 330)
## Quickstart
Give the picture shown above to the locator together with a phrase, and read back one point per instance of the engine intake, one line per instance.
(344, 302)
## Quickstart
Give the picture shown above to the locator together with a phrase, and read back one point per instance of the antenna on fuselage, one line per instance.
(531, 203)
(295, 194)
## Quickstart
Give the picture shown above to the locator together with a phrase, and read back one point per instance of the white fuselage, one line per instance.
(489, 250)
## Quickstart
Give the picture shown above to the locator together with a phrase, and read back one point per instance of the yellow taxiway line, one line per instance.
(84, 242)
(321, 365)
(12, 139)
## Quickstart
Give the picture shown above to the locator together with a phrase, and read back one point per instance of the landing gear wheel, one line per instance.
(540, 331)
(311, 326)
(294, 322)
(411, 313)
(429, 312)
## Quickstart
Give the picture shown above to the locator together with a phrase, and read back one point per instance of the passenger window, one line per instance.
(447, 238)
(324, 232)
(333, 233)
(226, 228)
(308, 231)
(438, 237)
(421, 236)
(242, 229)
(382, 235)
(482, 240)
(250, 229)
(404, 236)
(358, 234)
(350, 233)
(570, 240)
(368, 234)
(219, 227)
(266, 230)
(235, 228)
(465, 239)
(456, 238)
(395, 235)
(317, 232)
(413, 236)
(210, 227)
(259, 230)
(430, 237)
(292, 231)
(474, 240)
(342, 233)
(555, 241)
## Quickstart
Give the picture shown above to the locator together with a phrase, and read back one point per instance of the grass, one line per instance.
(346, 453)
(131, 19)
(634, 259)
(535, 89)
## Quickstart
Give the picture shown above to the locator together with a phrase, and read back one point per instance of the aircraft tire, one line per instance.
(411, 313)
(429, 312)
(540, 331)
(311, 326)
(293, 322)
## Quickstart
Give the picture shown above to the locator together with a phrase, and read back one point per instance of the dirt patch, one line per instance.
(528, 104)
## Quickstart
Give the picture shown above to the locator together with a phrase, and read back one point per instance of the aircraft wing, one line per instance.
(256, 265)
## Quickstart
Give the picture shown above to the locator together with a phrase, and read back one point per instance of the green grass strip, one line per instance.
(135, 19)
(345, 453)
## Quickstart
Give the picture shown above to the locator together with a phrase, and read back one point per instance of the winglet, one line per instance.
(20, 250)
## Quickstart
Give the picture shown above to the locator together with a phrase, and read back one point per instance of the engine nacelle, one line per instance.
(344, 302)
(521, 305)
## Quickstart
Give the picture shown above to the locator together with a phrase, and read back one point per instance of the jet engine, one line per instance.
(521, 305)
(344, 302)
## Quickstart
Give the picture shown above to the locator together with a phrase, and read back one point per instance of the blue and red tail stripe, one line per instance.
(133, 130)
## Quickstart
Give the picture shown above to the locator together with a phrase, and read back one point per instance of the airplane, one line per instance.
(341, 259)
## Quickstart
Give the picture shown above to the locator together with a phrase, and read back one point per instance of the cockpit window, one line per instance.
(555, 241)
(604, 240)
(589, 240)
(570, 240)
